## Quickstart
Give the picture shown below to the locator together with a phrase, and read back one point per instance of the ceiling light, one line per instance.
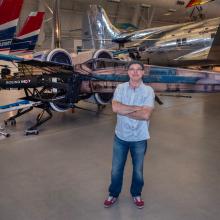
(166, 14)
(172, 10)
(145, 5)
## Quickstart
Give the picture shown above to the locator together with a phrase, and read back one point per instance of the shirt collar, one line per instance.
(141, 84)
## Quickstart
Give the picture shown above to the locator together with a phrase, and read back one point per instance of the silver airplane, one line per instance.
(192, 43)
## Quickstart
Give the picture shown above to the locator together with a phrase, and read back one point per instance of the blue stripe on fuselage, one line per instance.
(152, 78)
(10, 58)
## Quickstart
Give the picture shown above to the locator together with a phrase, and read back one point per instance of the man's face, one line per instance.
(135, 72)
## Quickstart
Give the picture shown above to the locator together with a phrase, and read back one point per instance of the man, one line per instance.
(133, 102)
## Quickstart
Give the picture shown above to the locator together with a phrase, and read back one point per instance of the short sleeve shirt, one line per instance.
(129, 129)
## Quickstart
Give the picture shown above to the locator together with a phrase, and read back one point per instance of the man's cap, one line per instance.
(135, 62)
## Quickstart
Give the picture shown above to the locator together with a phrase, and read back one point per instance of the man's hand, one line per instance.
(123, 109)
(142, 114)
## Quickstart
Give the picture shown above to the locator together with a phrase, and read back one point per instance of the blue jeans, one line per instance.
(120, 152)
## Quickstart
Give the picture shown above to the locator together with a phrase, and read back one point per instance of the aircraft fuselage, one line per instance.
(181, 46)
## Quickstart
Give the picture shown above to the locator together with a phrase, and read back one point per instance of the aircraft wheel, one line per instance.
(7, 135)
(4, 134)
(29, 132)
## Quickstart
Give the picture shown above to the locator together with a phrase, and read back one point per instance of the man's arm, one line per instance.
(143, 114)
(131, 111)
(123, 109)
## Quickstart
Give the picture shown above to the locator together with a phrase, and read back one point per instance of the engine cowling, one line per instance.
(56, 55)
(102, 53)
(103, 98)
(61, 56)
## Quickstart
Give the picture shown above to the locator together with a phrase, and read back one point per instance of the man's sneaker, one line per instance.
(110, 201)
(138, 202)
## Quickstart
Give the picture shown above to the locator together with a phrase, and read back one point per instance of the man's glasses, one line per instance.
(133, 70)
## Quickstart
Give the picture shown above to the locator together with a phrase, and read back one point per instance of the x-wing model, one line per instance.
(54, 84)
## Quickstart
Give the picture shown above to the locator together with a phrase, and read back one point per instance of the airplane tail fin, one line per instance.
(9, 11)
(214, 52)
(98, 31)
(25, 41)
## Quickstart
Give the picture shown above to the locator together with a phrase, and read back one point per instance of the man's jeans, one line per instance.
(120, 152)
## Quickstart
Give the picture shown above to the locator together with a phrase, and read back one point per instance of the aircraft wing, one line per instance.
(39, 63)
(200, 54)
(46, 66)
(27, 65)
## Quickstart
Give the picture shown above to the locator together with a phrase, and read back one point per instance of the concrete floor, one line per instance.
(64, 172)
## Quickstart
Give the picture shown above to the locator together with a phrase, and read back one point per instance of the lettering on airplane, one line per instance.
(5, 43)
(18, 82)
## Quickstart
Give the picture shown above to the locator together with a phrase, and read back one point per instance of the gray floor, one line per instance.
(64, 172)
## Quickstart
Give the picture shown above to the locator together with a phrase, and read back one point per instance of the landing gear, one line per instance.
(158, 100)
(11, 121)
(3, 132)
(20, 112)
(100, 107)
(41, 118)
(39, 121)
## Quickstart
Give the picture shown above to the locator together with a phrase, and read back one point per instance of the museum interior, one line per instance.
(109, 109)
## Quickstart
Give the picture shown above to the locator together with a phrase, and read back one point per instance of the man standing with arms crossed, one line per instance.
(133, 102)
